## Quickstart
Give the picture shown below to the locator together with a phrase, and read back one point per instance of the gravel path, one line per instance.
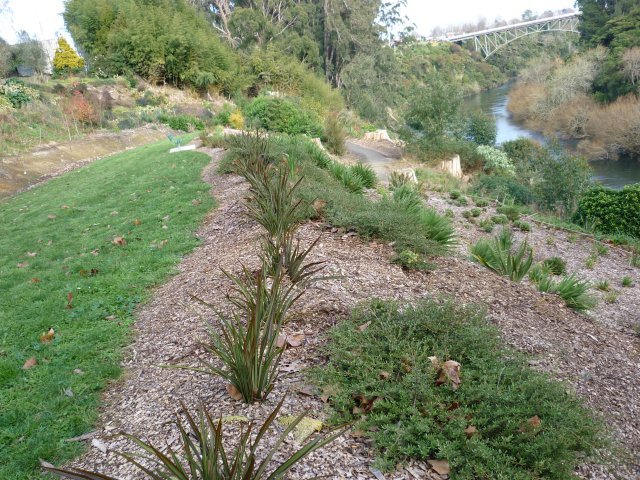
(599, 361)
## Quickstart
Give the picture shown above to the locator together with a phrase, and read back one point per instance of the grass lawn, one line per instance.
(77, 255)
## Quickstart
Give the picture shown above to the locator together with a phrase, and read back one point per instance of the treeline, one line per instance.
(305, 48)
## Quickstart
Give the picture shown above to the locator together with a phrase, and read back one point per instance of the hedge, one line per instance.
(612, 211)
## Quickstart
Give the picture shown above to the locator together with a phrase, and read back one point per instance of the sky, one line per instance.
(43, 18)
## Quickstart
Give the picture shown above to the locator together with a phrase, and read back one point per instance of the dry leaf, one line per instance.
(137, 222)
(69, 300)
(77, 371)
(51, 216)
(384, 375)
(308, 390)
(47, 337)
(195, 202)
(363, 404)
(534, 421)
(450, 372)
(471, 431)
(64, 207)
(110, 317)
(282, 341)
(95, 253)
(35, 280)
(30, 363)
(22, 265)
(295, 340)
(234, 392)
(99, 445)
(68, 392)
(435, 362)
(31, 254)
(364, 326)
(441, 467)
(119, 241)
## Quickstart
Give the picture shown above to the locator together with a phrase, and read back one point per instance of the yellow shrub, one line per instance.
(236, 120)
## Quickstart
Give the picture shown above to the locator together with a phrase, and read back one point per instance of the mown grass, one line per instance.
(504, 421)
(85, 287)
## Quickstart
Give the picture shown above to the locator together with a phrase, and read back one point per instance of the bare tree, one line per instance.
(631, 62)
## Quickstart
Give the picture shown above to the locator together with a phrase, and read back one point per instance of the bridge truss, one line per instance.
(490, 41)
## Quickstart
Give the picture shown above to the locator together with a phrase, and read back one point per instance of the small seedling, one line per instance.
(591, 262)
(466, 214)
(462, 202)
(499, 219)
(603, 286)
(449, 213)
(551, 241)
(454, 195)
(611, 297)
(601, 249)
(627, 282)
(476, 212)
(572, 238)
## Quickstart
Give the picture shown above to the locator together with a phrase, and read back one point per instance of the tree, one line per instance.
(481, 129)
(631, 62)
(528, 15)
(5, 58)
(28, 52)
(66, 60)
(434, 107)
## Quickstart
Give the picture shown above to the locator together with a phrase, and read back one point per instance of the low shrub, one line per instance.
(481, 129)
(236, 120)
(481, 202)
(498, 255)
(487, 225)
(603, 286)
(17, 93)
(334, 135)
(412, 261)
(556, 265)
(523, 226)
(627, 282)
(186, 123)
(575, 293)
(433, 381)
(408, 197)
(504, 188)
(512, 212)
(202, 454)
(496, 161)
(500, 219)
(282, 115)
(366, 174)
(611, 211)
(476, 212)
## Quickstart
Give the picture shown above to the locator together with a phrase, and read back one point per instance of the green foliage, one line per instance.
(523, 226)
(481, 129)
(366, 174)
(500, 219)
(146, 184)
(627, 282)
(503, 188)
(496, 161)
(186, 123)
(412, 261)
(334, 135)
(555, 265)
(28, 52)
(433, 107)
(17, 93)
(611, 211)
(487, 225)
(385, 377)
(512, 212)
(66, 60)
(202, 454)
(159, 40)
(476, 212)
(498, 255)
(282, 115)
(575, 293)
(603, 286)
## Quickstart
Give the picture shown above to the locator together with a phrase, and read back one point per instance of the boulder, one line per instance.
(378, 135)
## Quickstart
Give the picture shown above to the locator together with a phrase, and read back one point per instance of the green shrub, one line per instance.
(498, 255)
(454, 194)
(627, 282)
(409, 198)
(575, 293)
(366, 174)
(385, 371)
(556, 265)
(186, 123)
(496, 161)
(481, 129)
(487, 225)
(202, 454)
(411, 261)
(512, 212)
(601, 249)
(347, 177)
(611, 211)
(603, 286)
(17, 93)
(334, 135)
(504, 188)
(476, 212)
(523, 226)
(282, 115)
(481, 202)
(500, 219)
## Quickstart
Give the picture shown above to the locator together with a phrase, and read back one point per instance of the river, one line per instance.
(614, 174)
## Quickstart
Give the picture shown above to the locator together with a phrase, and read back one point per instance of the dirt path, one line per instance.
(600, 363)
(27, 169)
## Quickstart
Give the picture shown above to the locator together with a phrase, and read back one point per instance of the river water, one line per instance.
(614, 174)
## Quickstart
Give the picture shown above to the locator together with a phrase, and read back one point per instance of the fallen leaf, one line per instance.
(35, 280)
(377, 473)
(534, 421)
(51, 216)
(114, 213)
(308, 390)
(364, 326)
(435, 361)
(441, 467)
(99, 445)
(303, 429)
(195, 202)
(450, 372)
(77, 371)
(83, 272)
(384, 375)
(119, 241)
(453, 406)
(137, 222)
(30, 363)
(471, 431)
(22, 264)
(110, 317)
(64, 207)
(47, 337)
(95, 253)
(68, 392)
(69, 300)
(82, 438)
(295, 340)
(31, 254)
(93, 272)
(363, 404)
(282, 341)
(234, 392)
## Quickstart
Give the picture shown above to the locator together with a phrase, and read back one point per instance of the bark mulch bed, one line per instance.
(598, 361)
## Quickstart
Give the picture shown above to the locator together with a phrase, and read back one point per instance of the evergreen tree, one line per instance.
(66, 60)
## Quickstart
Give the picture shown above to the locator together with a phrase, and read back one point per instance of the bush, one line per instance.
(504, 188)
(17, 93)
(523, 226)
(610, 211)
(366, 174)
(281, 115)
(202, 452)
(66, 60)
(411, 261)
(186, 123)
(236, 120)
(334, 135)
(555, 265)
(481, 129)
(512, 212)
(497, 255)
(496, 161)
(493, 418)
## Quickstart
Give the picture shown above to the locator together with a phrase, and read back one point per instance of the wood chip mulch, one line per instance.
(599, 361)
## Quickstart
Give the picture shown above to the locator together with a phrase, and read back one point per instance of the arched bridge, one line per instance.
(490, 41)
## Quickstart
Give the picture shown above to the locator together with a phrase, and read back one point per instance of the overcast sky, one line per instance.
(43, 18)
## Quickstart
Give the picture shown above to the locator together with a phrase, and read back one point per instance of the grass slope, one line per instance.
(85, 287)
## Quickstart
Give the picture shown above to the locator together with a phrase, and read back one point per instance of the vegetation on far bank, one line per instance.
(79, 253)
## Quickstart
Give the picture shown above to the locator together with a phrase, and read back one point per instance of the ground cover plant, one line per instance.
(499, 255)
(433, 381)
(78, 254)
